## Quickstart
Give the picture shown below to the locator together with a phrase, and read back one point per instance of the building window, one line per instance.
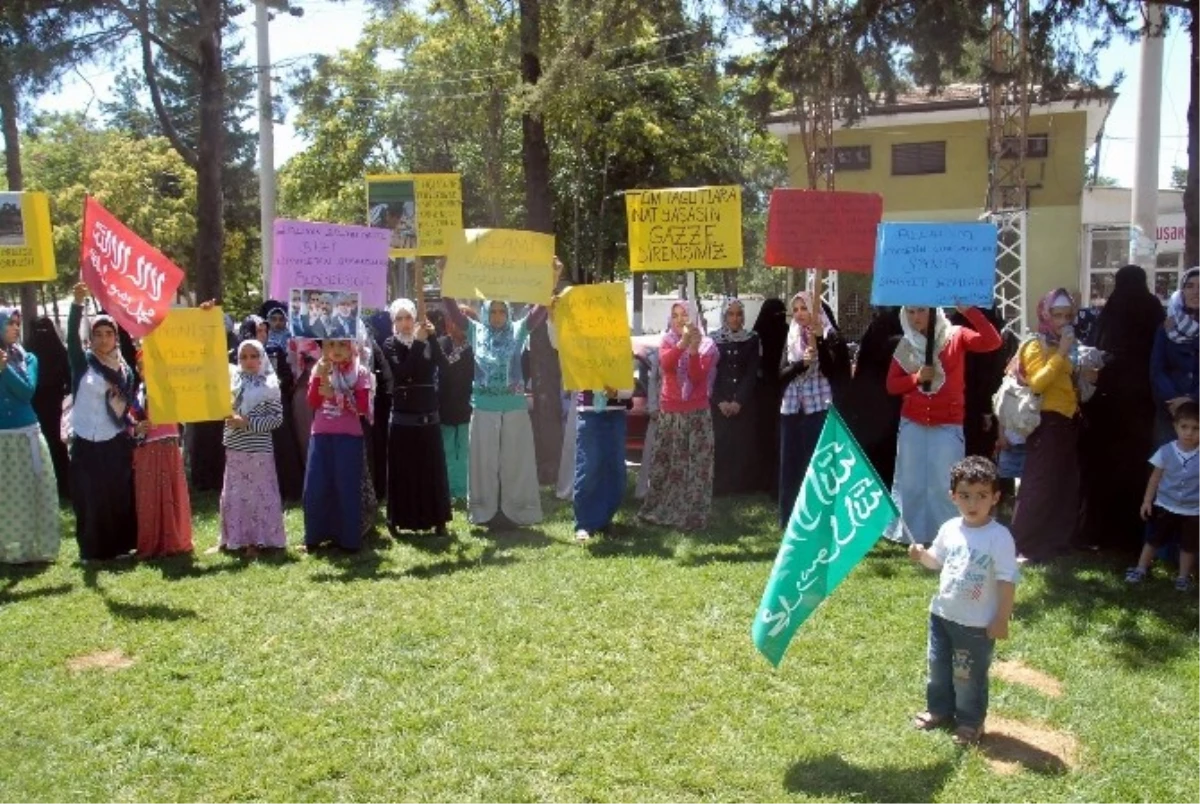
(850, 157)
(918, 158)
(1037, 146)
(1108, 251)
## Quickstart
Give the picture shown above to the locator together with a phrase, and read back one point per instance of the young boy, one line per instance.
(978, 562)
(1172, 499)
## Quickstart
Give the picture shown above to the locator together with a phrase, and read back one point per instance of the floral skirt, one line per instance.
(251, 514)
(681, 474)
(164, 510)
(30, 528)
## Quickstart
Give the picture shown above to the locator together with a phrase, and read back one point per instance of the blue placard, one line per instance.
(934, 264)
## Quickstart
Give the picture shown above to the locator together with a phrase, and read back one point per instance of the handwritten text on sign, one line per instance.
(439, 212)
(833, 231)
(187, 368)
(593, 338)
(501, 264)
(328, 256)
(685, 229)
(934, 264)
(26, 241)
(130, 279)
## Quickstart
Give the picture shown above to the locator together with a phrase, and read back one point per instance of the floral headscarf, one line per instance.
(1182, 324)
(251, 390)
(1055, 299)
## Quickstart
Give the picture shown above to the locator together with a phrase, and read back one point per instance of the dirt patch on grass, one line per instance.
(109, 660)
(1017, 672)
(1010, 745)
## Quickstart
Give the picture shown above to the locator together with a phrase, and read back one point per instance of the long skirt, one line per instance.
(1048, 500)
(735, 467)
(681, 476)
(102, 496)
(367, 497)
(798, 436)
(643, 482)
(456, 440)
(503, 472)
(921, 486)
(599, 477)
(418, 496)
(29, 528)
(565, 488)
(164, 510)
(333, 491)
(251, 514)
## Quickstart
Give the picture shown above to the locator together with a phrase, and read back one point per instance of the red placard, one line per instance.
(834, 231)
(130, 279)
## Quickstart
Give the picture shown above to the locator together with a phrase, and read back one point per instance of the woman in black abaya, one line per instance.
(871, 412)
(771, 326)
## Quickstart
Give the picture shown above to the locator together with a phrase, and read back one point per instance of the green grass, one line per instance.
(521, 666)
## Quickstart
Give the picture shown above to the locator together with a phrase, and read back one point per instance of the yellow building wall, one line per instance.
(959, 194)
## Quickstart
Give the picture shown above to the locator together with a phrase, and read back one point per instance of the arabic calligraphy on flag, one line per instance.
(839, 515)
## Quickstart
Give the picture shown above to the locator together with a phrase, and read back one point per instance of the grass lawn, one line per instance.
(521, 666)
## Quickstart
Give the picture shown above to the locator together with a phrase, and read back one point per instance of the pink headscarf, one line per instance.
(669, 338)
(1054, 298)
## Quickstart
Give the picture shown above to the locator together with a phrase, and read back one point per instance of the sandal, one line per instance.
(1135, 575)
(965, 735)
(926, 721)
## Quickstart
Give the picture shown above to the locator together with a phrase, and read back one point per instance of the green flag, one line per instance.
(840, 512)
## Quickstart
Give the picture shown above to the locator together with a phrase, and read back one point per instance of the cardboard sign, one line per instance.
(332, 258)
(422, 212)
(935, 264)
(501, 265)
(187, 368)
(130, 279)
(26, 241)
(833, 231)
(593, 338)
(684, 229)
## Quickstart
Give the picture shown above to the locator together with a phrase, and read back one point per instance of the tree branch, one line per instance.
(142, 24)
(164, 119)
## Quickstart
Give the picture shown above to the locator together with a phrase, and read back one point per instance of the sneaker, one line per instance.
(1135, 575)
(1184, 585)
(582, 535)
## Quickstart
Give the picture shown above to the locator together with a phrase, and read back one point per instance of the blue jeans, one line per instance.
(599, 469)
(959, 657)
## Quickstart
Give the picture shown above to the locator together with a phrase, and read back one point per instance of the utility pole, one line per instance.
(266, 146)
(1144, 214)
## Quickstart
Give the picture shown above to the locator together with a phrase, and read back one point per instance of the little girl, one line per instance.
(251, 515)
(164, 510)
(339, 392)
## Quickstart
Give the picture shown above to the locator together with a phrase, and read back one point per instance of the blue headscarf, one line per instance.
(16, 354)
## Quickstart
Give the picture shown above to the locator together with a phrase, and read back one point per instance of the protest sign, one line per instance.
(130, 279)
(187, 368)
(422, 211)
(26, 245)
(593, 338)
(935, 264)
(833, 231)
(500, 264)
(332, 258)
(317, 313)
(684, 229)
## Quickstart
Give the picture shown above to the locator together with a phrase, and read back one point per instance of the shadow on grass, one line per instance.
(182, 567)
(1008, 750)
(1090, 589)
(829, 777)
(370, 564)
(9, 580)
(131, 611)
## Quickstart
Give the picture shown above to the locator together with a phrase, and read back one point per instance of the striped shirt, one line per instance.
(265, 417)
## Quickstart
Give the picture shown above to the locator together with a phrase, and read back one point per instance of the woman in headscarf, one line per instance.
(645, 352)
(984, 372)
(873, 414)
(681, 475)
(1048, 499)
(1175, 360)
(931, 441)
(814, 370)
(254, 327)
(380, 326)
(53, 386)
(503, 471)
(29, 527)
(101, 447)
(732, 402)
(251, 515)
(160, 492)
(418, 496)
(1119, 418)
(771, 327)
(289, 461)
(456, 371)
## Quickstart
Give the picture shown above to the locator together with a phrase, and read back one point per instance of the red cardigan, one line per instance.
(947, 405)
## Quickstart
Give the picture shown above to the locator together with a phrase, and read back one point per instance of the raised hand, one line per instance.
(80, 291)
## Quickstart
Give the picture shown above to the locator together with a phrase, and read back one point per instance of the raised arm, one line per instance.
(984, 337)
(75, 355)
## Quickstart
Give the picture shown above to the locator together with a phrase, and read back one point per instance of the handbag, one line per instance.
(1018, 409)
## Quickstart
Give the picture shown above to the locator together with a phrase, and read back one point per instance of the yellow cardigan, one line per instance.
(1049, 374)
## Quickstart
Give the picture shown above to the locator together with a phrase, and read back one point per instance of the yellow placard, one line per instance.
(26, 242)
(594, 350)
(187, 368)
(422, 210)
(500, 264)
(693, 229)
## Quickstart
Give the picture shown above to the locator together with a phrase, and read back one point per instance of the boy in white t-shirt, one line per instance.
(1172, 501)
(978, 562)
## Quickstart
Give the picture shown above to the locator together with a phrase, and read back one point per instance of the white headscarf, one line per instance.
(251, 390)
(404, 306)
(910, 352)
(800, 337)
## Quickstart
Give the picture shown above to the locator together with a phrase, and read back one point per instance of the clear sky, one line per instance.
(329, 26)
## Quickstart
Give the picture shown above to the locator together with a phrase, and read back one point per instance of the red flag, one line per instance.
(823, 229)
(128, 277)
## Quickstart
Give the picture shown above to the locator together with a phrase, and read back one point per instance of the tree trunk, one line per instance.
(1191, 194)
(535, 159)
(16, 182)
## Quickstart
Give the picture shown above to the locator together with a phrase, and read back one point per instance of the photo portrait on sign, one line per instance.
(318, 313)
(393, 205)
(12, 223)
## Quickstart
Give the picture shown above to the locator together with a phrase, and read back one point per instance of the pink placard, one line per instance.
(330, 257)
